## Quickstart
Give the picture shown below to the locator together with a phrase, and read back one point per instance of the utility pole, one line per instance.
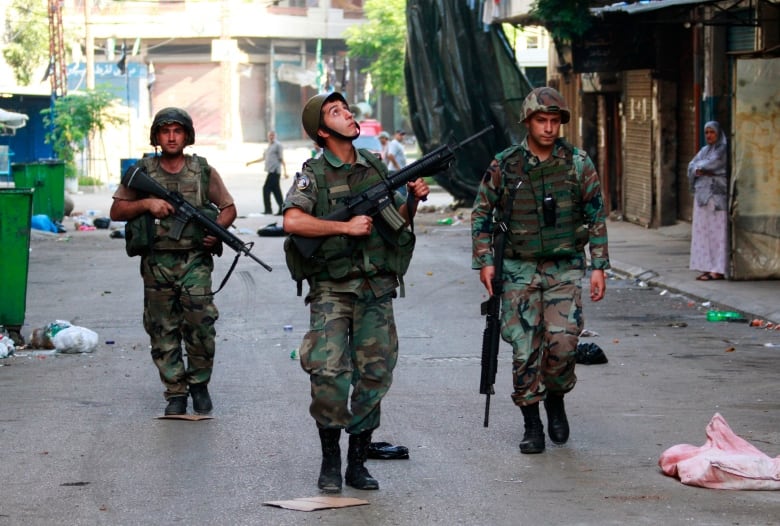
(89, 45)
(57, 73)
(226, 68)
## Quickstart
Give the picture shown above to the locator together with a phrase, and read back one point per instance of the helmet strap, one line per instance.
(341, 135)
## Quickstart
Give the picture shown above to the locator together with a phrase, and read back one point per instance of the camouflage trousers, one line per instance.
(542, 319)
(179, 307)
(351, 342)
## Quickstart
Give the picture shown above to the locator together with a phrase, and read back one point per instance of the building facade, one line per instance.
(643, 81)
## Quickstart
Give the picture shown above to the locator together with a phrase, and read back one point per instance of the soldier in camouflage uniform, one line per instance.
(352, 340)
(178, 299)
(547, 193)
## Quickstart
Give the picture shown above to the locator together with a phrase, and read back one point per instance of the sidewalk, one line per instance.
(660, 257)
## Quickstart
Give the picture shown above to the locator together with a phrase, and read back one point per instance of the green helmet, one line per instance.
(168, 116)
(547, 100)
(311, 118)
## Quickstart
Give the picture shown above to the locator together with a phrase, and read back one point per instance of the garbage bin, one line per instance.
(47, 178)
(15, 215)
(125, 164)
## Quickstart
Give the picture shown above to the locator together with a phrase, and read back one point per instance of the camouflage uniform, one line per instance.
(542, 295)
(178, 300)
(352, 338)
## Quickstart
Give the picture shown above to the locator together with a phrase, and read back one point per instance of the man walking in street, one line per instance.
(396, 156)
(178, 300)
(547, 198)
(274, 167)
(351, 347)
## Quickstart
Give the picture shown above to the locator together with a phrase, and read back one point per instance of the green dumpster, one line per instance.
(15, 214)
(47, 178)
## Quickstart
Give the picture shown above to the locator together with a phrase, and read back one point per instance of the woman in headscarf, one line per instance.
(708, 181)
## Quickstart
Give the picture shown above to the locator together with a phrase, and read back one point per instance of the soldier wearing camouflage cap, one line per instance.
(179, 308)
(546, 195)
(351, 347)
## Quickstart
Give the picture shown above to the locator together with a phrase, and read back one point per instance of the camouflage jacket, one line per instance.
(492, 187)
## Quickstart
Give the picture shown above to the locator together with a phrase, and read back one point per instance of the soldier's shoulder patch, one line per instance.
(302, 181)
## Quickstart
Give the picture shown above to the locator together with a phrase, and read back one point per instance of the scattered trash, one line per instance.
(7, 346)
(387, 451)
(725, 461)
(44, 223)
(763, 324)
(75, 339)
(117, 234)
(101, 222)
(723, 315)
(294, 355)
(590, 354)
(445, 221)
(316, 503)
(65, 338)
(272, 230)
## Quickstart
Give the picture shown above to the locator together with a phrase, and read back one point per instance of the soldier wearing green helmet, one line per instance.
(546, 195)
(351, 347)
(179, 309)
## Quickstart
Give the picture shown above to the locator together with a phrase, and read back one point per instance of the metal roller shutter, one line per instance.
(638, 147)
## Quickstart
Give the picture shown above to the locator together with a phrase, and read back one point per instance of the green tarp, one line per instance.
(461, 76)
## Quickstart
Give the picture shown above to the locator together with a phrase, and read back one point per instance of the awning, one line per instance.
(11, 121)
(645, 6)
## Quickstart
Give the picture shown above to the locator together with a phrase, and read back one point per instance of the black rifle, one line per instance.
(378, 197)
(136, 178)
(491, 308)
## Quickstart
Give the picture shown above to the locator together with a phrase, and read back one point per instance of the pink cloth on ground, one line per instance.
(725, 461)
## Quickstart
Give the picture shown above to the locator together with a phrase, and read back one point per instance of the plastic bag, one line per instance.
(590, 354)
(75, 339)
(7, 346)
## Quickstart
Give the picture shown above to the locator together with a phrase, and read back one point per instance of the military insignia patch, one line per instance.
(302, 181)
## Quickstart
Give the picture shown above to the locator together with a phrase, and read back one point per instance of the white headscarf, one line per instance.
(712, 160)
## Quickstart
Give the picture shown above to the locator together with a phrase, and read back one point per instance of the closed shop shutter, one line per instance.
(638, 147)
(687, 129)
(195, 88)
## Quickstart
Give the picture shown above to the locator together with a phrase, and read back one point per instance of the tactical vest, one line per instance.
(344, 257)
(145, 233)
(529, 237)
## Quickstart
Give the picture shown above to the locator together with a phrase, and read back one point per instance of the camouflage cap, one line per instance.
(547, 100)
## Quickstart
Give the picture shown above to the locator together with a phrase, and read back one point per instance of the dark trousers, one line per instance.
(271, 186)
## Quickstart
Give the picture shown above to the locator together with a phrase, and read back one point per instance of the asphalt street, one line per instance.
(82, 444)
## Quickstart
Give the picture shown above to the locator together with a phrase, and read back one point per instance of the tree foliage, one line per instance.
(74, 118)
(563, 19)
(27, 38)
(382, 42)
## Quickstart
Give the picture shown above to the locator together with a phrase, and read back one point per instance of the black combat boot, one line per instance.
(557, 425)
(533, 439)
(330, 471)
(357, 475)
(201, 401)
(177, 405)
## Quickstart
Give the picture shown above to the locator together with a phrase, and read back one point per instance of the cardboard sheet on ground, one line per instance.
(191, 418)
(316, 503)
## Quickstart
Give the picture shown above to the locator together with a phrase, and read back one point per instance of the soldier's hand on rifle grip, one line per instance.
(486, 275)
(159, 208)
(419, 189)
(359, 226)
